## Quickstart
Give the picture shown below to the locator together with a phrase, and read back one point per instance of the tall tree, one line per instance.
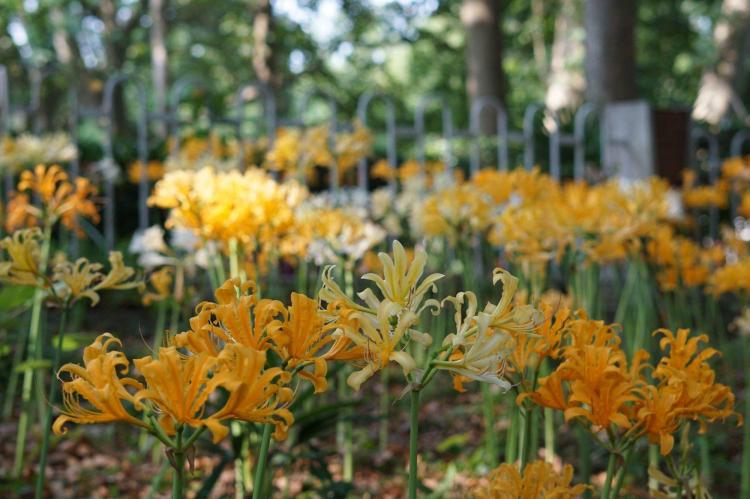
(484, 56)
(159, 58)
(722, 81)
(565, 80)
(610, 50)
(263, 57)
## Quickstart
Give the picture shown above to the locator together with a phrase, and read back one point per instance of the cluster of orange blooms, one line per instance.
(226, 349)
(58, 197)
(536, 219)
(296, 152)
(249, 207)
(538, 479)
(19, 152)
(596, 384)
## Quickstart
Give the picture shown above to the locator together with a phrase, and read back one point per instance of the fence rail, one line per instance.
(503, 139)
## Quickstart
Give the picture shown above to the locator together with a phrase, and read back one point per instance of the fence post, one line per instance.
(501, 132)
(142, 145)
(363, 105)
(269, 110)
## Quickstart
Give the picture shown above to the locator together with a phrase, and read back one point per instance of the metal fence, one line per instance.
(585, 120)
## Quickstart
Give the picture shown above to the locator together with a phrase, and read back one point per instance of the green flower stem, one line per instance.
(344, 431)
(620, 478)
(178, 479)
(491, 443)
(34, 354)
(549, 422)
(745, 479)
(524, 437)
(302, 276)
(413, 442)
(10, 395)
(51, 400)
(234, 259)
(512, 438)
(584, 448)
(606, 489)
(704, 448)
(260, 465)
(385, 403)
(549, 435)
(653, 462)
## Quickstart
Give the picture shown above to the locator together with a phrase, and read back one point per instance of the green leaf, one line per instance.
(74, 341)
(454, 442)
(12, 297)
(33, 364)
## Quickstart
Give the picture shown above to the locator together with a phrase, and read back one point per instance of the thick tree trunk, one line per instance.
(159, 61)
(610, 50)
(60, 43)
(566, 82)
(721, 82)
(484, 57)
(262, 47)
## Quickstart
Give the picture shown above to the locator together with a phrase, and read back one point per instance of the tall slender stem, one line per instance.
(260, 466)
(620, 479)
(610, 475)
(584, 448)
(35, 354)
(491, 444)
(51, 399)
(384, 409)
(524, 437)
(344, 431)
(178, 479)
(10, 395)
(653, 462)
(413, 443)
(745, 479)
(511, 439)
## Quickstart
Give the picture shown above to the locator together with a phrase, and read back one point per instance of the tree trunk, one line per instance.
(159, 61)
(721, 82)
(262, 48)
(567, 82)
(610, 50)
(484, 56)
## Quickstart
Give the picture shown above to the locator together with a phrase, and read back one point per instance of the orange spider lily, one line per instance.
(98, 383)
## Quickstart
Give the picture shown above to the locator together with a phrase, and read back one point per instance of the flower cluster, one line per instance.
(59, 199)
(597, 385)
(68, 282)
(229, 348)
(538, 480)
(27, 150)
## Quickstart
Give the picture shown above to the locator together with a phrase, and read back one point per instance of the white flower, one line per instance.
(183, 239)
(149, 240)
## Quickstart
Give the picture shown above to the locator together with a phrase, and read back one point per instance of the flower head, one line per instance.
(539, 480)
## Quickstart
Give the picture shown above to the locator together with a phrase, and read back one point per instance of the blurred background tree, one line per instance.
(672, 53)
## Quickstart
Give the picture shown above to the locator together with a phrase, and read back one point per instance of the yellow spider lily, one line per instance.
(84, 279)
(23, 248)
(483, 356)
(99, 383)
(178, 387)
(161, 282)
(399, 283)
(507, 317)
(60, 199)
(238, 316)
(259, 395)
(539, 480)
(305, 338)
(383, 337)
